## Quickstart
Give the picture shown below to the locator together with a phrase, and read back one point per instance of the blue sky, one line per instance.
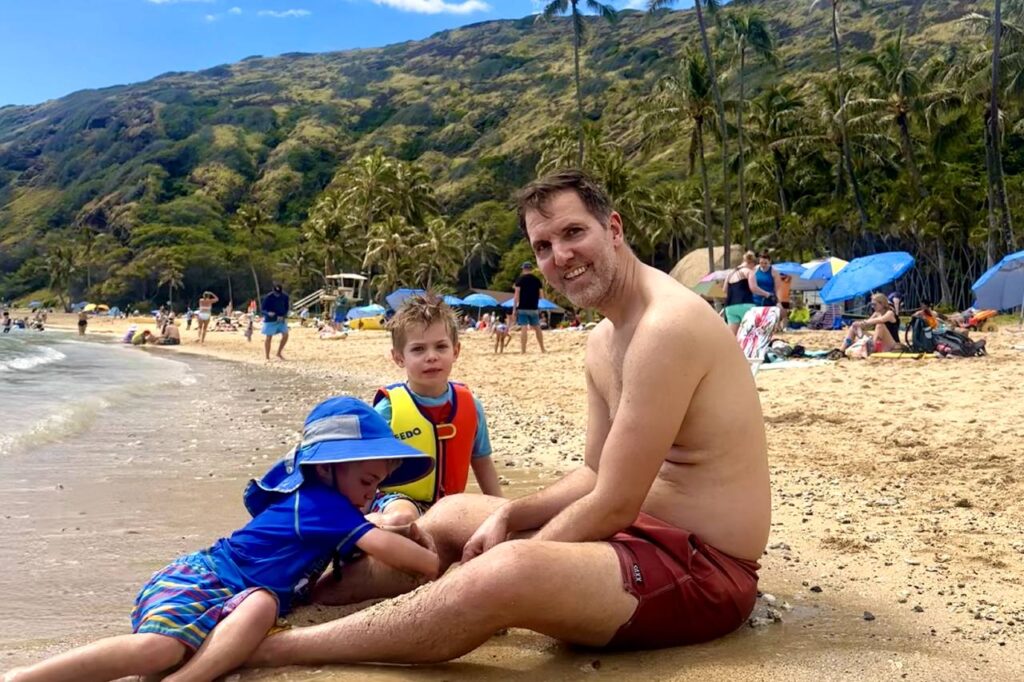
(49, 48)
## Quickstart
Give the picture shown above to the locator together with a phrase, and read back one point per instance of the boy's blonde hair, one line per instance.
(422, 310)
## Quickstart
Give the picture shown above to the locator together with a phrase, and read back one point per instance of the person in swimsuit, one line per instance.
(83, 322)
(886, 333)
(204, 313)
(652, 542)
(764, 281)
(738, 297)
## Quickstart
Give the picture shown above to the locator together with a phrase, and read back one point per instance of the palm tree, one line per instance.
(748, 30)
(479, 240)
(60, 266)
(251, 225)
(723, 129)
(685, 98)
(386, 248)
(438, 253)
(334, 228)
(171, 275)
(775, 115)
(841, 97)
(556, 7)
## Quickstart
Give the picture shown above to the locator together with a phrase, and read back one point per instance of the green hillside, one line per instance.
(136, 187)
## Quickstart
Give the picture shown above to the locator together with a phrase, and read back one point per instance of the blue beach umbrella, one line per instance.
(1002, 286)
(453, 300)
(365, 311)
(396, 297)
(480, 301)
(545, 304)
(35, 304)
(793, 269)
(864, 275)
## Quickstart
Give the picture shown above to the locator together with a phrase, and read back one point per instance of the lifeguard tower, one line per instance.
(346, 284)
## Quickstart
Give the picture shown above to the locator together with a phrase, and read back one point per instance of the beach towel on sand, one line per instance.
(755, 332)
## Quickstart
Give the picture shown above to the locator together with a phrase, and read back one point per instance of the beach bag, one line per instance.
(956, 343)
(919, 337)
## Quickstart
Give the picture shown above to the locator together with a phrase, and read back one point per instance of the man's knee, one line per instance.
(506, 574)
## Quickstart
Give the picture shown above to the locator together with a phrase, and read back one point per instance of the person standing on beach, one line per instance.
(275, 314)
(738, 297)
(653, 542)
(764, 281)
(83, 322)
(205, 313)
(7, 322)
(527, 303)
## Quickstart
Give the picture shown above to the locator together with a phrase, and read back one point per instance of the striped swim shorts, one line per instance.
(185, 600)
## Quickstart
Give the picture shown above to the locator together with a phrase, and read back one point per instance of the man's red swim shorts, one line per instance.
(688, 591)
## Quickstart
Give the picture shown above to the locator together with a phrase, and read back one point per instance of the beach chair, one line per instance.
(755, 334)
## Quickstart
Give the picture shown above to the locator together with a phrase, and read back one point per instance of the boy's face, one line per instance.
(358, 481)
(427, 357)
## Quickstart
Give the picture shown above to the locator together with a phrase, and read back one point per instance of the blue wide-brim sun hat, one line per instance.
(340, 429)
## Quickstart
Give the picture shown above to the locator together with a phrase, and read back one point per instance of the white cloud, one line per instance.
(235, 10)
(286, 14)
(210, 18)
(636, 4)
(436, 6)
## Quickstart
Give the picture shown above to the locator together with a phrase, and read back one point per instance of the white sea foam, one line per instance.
(42, 355)
(67, 420)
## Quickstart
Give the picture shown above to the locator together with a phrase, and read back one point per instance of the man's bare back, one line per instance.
(714, 481)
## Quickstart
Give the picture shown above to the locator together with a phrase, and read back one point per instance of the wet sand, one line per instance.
(896, 496)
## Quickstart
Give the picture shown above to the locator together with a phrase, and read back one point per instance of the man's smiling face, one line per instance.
(574, 250)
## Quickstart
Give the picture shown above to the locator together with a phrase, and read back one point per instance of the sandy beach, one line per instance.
(897, 547)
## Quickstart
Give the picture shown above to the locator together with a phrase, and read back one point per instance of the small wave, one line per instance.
(57, 426)
(44, 355)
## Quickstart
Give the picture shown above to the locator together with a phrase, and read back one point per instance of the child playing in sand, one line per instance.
(430, 413)
(212, 608)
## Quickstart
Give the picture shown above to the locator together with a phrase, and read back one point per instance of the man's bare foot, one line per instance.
(281, 358)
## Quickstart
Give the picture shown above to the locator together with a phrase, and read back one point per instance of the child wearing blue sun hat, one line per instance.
(307, 510)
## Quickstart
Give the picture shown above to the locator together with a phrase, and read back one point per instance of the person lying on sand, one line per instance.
(210, 609)
(653, 542)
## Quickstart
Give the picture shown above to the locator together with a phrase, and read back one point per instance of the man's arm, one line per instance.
(640, 437)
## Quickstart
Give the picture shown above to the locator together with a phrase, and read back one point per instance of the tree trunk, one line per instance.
(742, 170)
(994, 164)
(577, 38)
(940, 250)
(256, 281)
(847, 162)
(908, 156)
(706, 195)
(993, 223)
(723, 128)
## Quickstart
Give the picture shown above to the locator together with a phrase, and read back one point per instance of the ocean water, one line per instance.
(53, 385)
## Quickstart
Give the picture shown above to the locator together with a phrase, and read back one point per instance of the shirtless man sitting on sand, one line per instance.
(652, 543)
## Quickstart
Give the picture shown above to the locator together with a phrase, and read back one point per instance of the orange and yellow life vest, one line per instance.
(449, 442)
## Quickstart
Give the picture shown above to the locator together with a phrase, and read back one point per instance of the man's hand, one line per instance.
(493, 531)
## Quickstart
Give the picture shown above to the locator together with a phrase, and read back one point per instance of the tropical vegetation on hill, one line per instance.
(837, 127)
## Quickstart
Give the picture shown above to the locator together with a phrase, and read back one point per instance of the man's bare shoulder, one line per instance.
(598, 339)
(674, 310)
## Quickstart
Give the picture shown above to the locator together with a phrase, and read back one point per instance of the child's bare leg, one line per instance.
(233, 640)
(108, 659)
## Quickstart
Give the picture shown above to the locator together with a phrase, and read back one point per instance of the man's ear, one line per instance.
(398, 357)
(615, 225)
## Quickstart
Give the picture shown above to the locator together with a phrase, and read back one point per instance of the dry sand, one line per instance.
(896, 551)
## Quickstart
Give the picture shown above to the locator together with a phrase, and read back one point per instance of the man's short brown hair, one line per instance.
(536, 195)
(421, 310)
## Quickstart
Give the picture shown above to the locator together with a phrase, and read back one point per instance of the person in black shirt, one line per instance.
(527, 303)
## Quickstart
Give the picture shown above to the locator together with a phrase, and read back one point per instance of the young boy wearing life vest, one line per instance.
(432, 414)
